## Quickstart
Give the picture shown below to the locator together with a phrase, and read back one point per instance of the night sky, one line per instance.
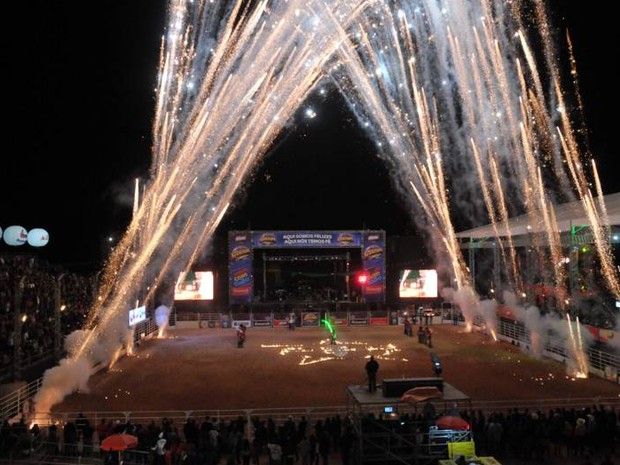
(80, 99)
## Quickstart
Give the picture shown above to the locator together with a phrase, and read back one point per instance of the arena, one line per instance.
(202, 369)
(281, 374)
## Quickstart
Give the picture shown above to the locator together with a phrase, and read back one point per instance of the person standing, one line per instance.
(240, 335)
(407, 323)
(160, 450)
(372, 367)
(429, 336)
(421, 335)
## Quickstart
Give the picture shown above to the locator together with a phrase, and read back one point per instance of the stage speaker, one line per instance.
(397, 387)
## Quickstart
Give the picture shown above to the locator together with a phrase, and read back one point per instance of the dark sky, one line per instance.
(80, 99)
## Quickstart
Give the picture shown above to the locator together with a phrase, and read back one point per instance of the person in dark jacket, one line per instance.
(372, 366)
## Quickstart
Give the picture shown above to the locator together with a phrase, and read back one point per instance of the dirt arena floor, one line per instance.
(202, 369)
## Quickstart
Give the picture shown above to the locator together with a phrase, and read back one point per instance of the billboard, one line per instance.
(417, 283)
(194, 285)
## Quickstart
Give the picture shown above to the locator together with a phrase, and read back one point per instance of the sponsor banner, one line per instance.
(310, 318)
(359, 319)
(279, 322)
(237, 323)
(373, 261)
(339, 319)
(263, 322)
(378, 321)
(240, 277)
(306, 239)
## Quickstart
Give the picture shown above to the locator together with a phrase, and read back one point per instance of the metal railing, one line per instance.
(19, 402)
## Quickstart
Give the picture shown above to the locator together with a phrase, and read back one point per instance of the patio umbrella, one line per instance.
(119, 442)
(452, 422)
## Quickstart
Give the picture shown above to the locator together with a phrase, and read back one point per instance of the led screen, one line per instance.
(137, 315)
(195, 285)
(417, 283)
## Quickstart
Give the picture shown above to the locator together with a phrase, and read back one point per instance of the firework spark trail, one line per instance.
(214, 118)
(503, 217)
(429, 81)
(447, 57)
(575, 349)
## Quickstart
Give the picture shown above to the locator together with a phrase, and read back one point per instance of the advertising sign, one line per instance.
(306, 239)
(310, 318)
(373, 261)
(240, 267)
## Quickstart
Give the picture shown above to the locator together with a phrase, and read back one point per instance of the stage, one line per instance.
(363, 402)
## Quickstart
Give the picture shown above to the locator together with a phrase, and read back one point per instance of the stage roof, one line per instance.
(567, 215)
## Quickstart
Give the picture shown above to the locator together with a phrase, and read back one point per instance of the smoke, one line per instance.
(488, 310)
(613, 337)
(162, 316)
(550, 331)
(466, 299)
(546, 331)
(69, 376)
(73, 372)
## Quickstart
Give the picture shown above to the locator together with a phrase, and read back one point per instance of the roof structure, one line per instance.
(568, 216)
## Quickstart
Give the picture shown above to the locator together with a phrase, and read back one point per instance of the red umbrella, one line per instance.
(119, 442)
(451, 422)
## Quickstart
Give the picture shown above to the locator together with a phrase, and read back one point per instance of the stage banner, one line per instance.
(373, 260)
(240, 279)
(305, 239)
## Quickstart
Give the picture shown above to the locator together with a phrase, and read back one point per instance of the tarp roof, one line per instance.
(567, 215)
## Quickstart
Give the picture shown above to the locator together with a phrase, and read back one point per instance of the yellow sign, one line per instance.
(465, 448)
(488, 461)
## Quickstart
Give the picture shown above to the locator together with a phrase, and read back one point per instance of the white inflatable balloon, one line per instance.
(15, 235)
(38, 237)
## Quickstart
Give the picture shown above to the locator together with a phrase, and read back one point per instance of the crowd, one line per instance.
(590, 433)
(28, 289)
(210, 441)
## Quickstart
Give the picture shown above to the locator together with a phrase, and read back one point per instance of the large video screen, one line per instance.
(194, 285)
(137, 315)
(417, 283)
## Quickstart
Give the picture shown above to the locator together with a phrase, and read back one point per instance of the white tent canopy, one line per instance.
(567, 215)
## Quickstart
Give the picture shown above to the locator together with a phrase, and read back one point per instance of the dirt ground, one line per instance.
(202, 369)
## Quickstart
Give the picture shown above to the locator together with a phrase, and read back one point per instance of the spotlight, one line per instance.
(436, 364)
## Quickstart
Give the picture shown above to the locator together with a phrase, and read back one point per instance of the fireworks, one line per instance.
(459, 105)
